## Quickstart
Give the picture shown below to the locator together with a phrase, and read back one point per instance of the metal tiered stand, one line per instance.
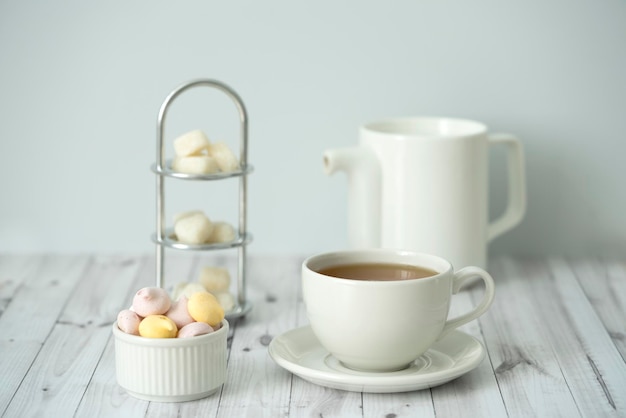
(165, 237)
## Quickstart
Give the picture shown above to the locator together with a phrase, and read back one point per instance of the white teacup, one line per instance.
(384, 325)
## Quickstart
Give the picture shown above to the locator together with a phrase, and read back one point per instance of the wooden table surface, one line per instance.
(555, 339)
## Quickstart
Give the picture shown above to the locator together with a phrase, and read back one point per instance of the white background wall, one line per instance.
(81, 84)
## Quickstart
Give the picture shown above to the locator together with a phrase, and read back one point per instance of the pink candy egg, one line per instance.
(194, 329)
(179, 314)
(128, 321)
(151, 301)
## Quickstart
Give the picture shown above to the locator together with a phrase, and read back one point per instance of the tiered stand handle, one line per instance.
(163, 237)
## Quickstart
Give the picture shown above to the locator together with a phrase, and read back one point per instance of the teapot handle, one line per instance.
(516, 207)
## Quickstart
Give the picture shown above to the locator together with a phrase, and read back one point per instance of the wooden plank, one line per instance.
(527, 370)
(311, 400)
(594, 369)
(59, 376)
(404, 404)
(14, 270)
(256, 386)
(604, 282)
(31, 315)
(104, 397)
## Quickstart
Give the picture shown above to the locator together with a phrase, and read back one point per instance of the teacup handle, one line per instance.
(460, 278)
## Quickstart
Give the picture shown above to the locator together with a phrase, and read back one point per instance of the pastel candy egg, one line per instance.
(204, 307)
(151, 301)
(157, 326)
(179, 314)
(195, 328)
(128, 321)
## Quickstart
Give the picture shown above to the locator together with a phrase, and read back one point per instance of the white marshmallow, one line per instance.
(227, 300)
(222, 232)
(215, 279)
(186, 289)
(180, 215)
(224, 157)
(193, 229)
(191, 143)
(195, 164)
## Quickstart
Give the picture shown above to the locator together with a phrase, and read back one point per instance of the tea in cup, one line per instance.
(378, 310)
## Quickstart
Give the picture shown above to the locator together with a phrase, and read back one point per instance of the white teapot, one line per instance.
(421, 184)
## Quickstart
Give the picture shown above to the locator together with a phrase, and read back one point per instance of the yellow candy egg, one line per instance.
(204, 307)
(157, 326)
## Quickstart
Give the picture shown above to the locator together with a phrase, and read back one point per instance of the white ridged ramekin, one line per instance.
(171, 369)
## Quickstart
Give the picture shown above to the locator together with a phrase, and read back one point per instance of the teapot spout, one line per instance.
(363, 170)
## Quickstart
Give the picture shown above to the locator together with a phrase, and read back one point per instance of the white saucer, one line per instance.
(299, 352)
